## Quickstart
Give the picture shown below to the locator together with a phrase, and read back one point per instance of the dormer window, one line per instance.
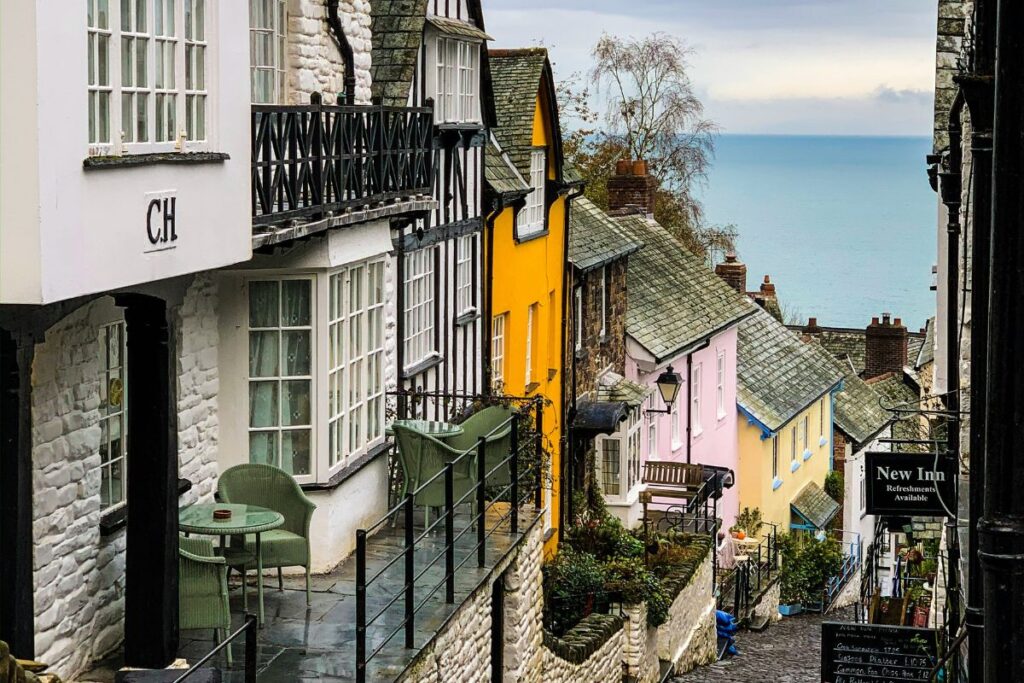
(457, 71)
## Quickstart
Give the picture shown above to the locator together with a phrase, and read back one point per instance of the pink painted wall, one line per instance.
(716, 443)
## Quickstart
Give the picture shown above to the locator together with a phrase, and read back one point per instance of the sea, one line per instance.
(845, 226)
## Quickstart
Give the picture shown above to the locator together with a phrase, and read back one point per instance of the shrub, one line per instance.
(807, 564)
(573, 588)
(834, 486)
(628, 578)
(750, 521)
(604, 538)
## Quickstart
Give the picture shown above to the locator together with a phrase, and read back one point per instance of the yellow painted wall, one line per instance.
(755, 479)
(525, 274)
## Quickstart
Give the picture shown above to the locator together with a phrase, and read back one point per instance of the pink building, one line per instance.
(678, 314)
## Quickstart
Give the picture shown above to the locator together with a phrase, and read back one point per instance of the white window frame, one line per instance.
(355, 331)
(456, 74)
(775, 457)
(804, 429)
(420, 343)
(578, 304)
(498, 326)
(531, 219)
(627, 444)
(170, 37)
(465, 249)
(280, 378)
(863, 492)
(268, 23)
(695, 397)
(821, 418)
(531, 322)
(677, 422)
(792, 444)
(720, 385)
(108, 415)
(604, 301)
(652, 429)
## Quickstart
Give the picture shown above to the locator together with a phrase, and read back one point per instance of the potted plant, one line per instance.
(750, 522)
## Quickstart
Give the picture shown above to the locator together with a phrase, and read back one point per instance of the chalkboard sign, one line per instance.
(872, 653)
(909, 484)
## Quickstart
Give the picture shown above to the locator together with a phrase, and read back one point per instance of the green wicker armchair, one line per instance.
(495, 423)
(422, 456)
(273, 488)
(202, 588)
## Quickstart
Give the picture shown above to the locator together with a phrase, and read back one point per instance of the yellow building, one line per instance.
(784, 394)
(526, 247)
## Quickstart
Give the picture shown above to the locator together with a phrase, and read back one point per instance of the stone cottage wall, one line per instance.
(640, 647)
(603, 664)
(78, 571)
(687, 639)
(314, 60)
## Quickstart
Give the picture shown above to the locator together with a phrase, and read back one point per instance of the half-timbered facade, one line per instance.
(431, 53)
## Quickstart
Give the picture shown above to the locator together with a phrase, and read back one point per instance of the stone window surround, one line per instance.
(112, 145)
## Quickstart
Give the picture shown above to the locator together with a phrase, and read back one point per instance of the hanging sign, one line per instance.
(909, 484)
(873, 653)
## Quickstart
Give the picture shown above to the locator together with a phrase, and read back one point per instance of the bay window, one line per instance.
(312, 412)
(147, 74)
(531, 217)
(267, 52)
(456, 73)
(620, 458)
(419, 343)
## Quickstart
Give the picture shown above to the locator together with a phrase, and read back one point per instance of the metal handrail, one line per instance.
(249, 628)
(409, 588)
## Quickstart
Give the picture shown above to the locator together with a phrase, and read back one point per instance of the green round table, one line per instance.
(435, 428)
(245, 519)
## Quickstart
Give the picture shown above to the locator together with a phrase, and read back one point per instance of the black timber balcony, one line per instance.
(319, 161)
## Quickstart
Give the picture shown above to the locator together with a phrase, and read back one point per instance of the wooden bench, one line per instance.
(672, 479)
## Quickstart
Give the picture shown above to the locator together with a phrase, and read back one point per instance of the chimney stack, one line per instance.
(631, 189)
(811, 327)
(885, 346)
(734, 272)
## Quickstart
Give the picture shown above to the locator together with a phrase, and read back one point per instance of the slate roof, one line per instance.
(673, 300)
(616, 388)
(501, 174)
(515, 78)
(814, 505)
(777, 374)
(849, 344)
(858, 412)
(457, 27)
(397, 27)
(895, 392)
(595, 238)
(927, 353)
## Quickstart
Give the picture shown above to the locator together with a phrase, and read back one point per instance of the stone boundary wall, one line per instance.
(768, 605)
(687, 639)
(602, 664)
(850, 593)
(640, 651)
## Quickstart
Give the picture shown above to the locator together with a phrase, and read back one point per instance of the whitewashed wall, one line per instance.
(78, 573)
(314, 60)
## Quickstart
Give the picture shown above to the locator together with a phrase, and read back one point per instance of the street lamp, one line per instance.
(668, 386)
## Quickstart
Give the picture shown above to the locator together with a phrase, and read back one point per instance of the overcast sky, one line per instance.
(852, 67)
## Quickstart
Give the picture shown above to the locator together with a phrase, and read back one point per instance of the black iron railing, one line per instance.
(739, 587)
(524, 460)
(698, 515)
(248, 628)
(310, 160)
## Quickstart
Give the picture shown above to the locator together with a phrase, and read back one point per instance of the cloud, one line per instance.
(840, 54)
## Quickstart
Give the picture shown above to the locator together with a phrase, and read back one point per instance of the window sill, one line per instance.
(776, 483)
(431, 361)
(460, 125)
(822, 441)
(722, 416)
(530, 236)
(532, 387)
(807, 455)
(350, 470)
(467, 317)
(128, 160)
(794, 466)
(676, 445)
(697, 433)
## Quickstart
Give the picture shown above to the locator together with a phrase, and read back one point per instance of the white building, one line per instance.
(190, 278)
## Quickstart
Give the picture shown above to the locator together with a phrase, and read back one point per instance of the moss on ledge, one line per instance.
(585, 638)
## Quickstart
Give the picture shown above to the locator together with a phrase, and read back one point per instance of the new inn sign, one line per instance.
(906, 484)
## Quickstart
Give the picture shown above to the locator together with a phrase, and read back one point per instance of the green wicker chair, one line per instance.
(272, 488)
(202, 588)
(495, 423)
(422, 456)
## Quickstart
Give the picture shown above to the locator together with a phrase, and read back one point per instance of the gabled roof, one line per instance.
(778, 375)
(517, 77)
(595, 239)
(397, 27)
(927, 352)
(673, 299)
(501, 174)
(815, 506)
(613, 387)
(858, 413)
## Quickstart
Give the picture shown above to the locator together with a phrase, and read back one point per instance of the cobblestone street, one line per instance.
(787, 652)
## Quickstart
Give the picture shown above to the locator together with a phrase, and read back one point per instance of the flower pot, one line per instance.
(790, 610)
(920, 616)
(640, 167)
(622, 167)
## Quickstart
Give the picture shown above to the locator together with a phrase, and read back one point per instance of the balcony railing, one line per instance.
(309, 161)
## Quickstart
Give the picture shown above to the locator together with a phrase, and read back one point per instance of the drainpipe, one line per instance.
(977, 87)
(689, 396)
(568, 413)
(950, 187)
(347, 54)
(1001, 528)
